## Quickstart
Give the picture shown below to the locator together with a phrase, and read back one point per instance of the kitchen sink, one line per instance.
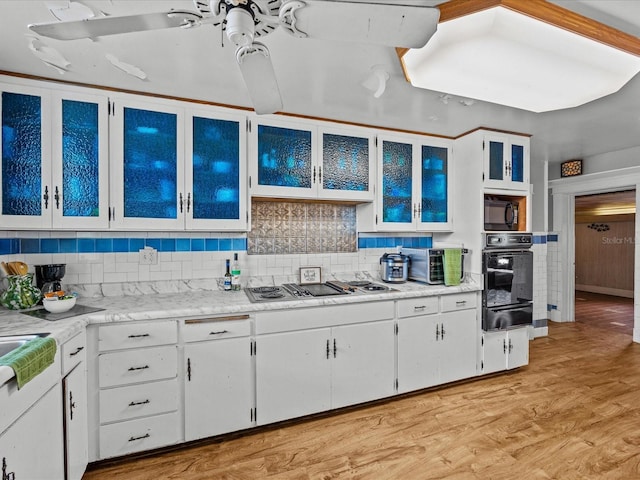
(10, 343)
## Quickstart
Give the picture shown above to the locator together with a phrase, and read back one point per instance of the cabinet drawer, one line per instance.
(139, 435)
(135, 366)
(143, 400)
(459, 301)
(135, 335)
(215, 328)
(73, 352)
(417, 306)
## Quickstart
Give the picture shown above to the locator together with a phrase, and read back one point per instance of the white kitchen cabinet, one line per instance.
(436, 348)
(504, 349)
(218, 377)
(414, 191)
(506, 162)
(175, 167)
(54, 159)
(305, 159)
(137, 398)
(32, 448)
(309, 371)
(293, 374)
(74, 391)
(75, 426)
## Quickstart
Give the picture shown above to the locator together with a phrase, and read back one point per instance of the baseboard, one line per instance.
(616, 292)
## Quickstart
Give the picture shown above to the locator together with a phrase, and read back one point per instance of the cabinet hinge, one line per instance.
(481, 365)
(482, 342)
(247, 217)
(397, 329)
(188, 369)
(376, 218)
(248, 125)
(375, 141)
(396, 384)
(483, 145)
(249, 181)
(253, 348)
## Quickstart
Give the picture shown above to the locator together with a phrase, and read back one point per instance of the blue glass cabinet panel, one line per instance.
(345, 161)
(216, 169)
(21, 154)
(397, 171)
(434, 184)
(517, 163)
(284, 157)
(80, 159)
(496, 160)
(150, 164)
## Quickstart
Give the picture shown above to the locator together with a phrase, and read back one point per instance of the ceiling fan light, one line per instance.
(240, 27)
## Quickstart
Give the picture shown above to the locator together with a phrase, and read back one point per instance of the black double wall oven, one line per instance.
(507, 267)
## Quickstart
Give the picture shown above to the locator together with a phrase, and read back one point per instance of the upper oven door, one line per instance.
(508, 278)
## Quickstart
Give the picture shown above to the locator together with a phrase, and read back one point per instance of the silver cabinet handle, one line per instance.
(133, 439)
(220, 332)
(419, 308)
(144, 402)
(460, 303)
(140, 336)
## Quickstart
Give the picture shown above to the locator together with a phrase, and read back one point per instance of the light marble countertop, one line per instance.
(195, 298)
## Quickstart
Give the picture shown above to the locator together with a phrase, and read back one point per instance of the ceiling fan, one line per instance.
(401, 23)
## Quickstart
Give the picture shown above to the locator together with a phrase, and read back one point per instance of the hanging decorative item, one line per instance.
(599, 227)
(571, 168)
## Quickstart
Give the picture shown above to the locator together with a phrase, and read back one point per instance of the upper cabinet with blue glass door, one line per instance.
(304, 159)
(176, 168)
(506, 162)
(215, 174)
(414, 184)
(54, 159)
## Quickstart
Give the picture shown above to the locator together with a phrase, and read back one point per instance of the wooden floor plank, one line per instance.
(573, 413)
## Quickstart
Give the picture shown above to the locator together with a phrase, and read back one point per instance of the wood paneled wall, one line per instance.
(605, 259)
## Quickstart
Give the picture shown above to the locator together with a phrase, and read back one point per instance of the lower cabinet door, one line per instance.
(518, 347)
(417, 355)
(293, 374)
(138, 435)
(362, 367)
(32, 448)
(218, 393)
(75, 422)
(457, 346)
(494, 351)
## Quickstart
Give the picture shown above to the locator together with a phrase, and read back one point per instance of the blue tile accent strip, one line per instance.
(392, 242)
(539, 239)
(551, 307)
(9, 246)
(552, 238)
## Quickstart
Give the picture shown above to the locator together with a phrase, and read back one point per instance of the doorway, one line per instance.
(604, 260)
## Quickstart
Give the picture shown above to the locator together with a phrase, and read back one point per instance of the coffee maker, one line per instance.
(48, 277)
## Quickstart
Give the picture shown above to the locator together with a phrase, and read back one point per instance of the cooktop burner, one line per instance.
(265, 289)
(271, 295)
(368, 286)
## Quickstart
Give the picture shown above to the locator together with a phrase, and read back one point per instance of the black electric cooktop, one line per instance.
(43, 314)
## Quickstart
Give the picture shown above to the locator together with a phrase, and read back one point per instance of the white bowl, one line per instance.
(55, 305)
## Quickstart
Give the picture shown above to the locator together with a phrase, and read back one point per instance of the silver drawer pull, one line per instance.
(459, 303)
(78, 350)
(139, 336)
(132, 369)
(420, 307)
(133, 439)
(220, 332)
(144, 402)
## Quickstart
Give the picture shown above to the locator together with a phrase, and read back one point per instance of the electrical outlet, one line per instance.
(148, 256)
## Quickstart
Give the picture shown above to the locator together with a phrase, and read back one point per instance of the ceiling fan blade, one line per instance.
(102, 26)
(393, 24)
(259, 77)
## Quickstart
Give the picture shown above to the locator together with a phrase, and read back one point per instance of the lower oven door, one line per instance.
(502, 318)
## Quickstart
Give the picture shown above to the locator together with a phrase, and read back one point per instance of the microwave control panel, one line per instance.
(508, 240)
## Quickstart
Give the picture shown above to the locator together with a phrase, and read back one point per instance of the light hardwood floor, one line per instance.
(573, 413)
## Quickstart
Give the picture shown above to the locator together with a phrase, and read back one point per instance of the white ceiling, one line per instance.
(321, 78)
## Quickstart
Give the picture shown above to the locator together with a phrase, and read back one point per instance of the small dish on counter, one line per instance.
(59, 304)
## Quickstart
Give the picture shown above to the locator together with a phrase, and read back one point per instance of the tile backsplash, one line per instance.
(294, 227)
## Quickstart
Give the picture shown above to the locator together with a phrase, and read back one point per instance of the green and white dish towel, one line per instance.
(30, 359)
